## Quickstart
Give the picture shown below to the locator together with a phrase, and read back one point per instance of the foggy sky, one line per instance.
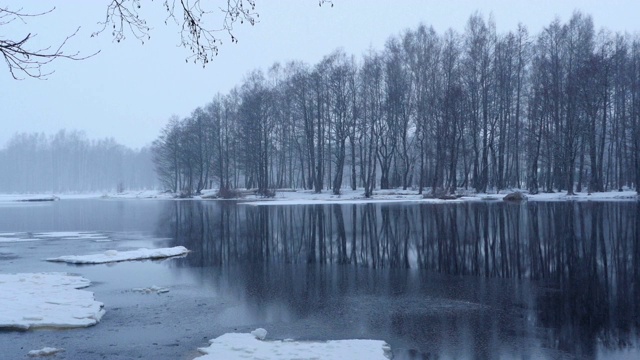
(128, 91)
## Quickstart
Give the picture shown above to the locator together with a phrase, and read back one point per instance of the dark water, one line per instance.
(469, 280)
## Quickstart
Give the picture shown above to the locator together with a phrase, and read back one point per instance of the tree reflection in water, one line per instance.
(583, 257)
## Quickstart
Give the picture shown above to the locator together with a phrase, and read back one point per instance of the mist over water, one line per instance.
(69, 162)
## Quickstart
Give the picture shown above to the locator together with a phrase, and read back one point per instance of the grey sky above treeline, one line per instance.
(129, 90)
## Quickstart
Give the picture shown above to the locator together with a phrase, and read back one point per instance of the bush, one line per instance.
(225, 193)
(515, 196)
(268, 193)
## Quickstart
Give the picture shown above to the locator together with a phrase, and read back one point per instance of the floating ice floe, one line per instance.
(153, 289)
(36, 300)
(68, 235)
(234, 346)
(71, 235)
(116, 256)
(16, 240)
(27, 198)
(45, 351)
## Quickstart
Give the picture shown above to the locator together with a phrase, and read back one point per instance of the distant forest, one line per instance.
(69, 162)
(555, 111)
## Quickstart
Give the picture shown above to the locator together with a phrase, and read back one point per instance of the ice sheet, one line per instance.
(234, 346)
(116, 256)
(32, 300)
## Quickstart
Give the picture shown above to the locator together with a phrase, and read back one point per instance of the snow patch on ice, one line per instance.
(116, 256)
(232, 346)
(111, 253)
(35, 300)
(259, 333)
(45, 351)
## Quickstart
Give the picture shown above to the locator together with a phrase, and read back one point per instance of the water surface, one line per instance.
(436, 281)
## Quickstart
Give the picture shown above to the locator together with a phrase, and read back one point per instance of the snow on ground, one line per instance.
(232, 346)
(562, 196)
(305, 197)
(116, 256)
(34, 300)
(335, 201)
(45, 351)
(585, 196)
(347, 196)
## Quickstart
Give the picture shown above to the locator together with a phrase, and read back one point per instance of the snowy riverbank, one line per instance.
(347, 196)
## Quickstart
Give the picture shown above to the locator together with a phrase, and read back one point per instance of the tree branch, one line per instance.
(25, 61)
(193, 18)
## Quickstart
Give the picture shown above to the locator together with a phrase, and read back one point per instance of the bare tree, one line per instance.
(341, 75)
(423, 54)
(452, 120)
(372, 87)
(479, 46)
(400, 108)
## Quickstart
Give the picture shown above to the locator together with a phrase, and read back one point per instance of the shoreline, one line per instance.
(308, 197)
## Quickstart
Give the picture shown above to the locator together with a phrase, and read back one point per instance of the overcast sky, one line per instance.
(129, 90)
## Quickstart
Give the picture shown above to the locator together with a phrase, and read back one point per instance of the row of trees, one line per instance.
(481, 110)
(68, 161)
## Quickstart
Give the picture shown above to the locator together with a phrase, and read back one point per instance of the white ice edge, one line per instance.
(51, 300)
(236, 346)
(117, 256)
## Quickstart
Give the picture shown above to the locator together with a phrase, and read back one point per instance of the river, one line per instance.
(478, 280)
